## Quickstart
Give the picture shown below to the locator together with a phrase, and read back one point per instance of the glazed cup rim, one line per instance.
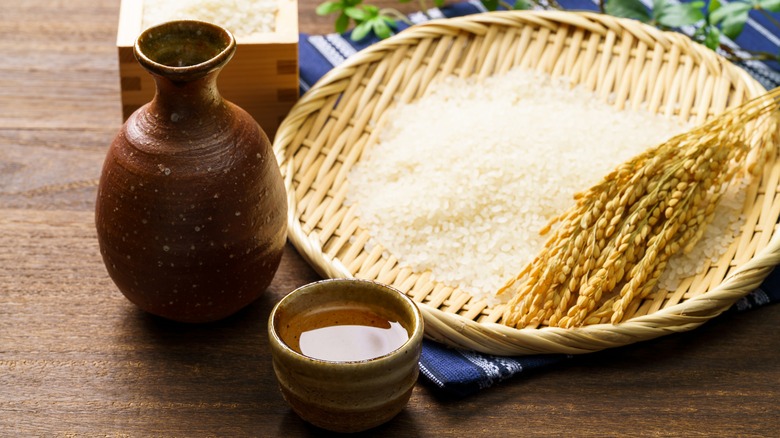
(416, 326)
(202, 68)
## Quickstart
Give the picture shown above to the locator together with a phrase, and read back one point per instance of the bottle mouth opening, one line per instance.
(184, 48)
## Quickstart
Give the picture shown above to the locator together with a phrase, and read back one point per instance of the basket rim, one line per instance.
(461, 332)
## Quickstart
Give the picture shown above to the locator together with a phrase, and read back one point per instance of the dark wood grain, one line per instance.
(76, 358)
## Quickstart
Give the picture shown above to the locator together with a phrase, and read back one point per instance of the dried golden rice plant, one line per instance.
(608, 251)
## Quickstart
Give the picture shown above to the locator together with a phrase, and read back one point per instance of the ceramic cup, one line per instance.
(344, 395)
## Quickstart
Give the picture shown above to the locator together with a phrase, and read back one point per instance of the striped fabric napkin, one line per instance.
(459, 373)
(320, 53)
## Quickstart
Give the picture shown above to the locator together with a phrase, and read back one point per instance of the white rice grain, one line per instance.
(462, 180)
(241, 17)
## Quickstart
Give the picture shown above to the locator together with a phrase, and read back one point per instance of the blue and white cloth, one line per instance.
(320, 53)
(459, 373)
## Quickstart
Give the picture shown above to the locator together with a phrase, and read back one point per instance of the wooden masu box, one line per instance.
(262, 77)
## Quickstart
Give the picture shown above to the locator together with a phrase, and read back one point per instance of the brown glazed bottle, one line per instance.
(191, 208)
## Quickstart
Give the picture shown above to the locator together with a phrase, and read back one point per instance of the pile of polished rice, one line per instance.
(462, 181)
(241, 17)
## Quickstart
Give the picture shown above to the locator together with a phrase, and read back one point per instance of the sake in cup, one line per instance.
(345, 352)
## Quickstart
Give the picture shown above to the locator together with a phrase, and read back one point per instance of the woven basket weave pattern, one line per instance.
(628, 64)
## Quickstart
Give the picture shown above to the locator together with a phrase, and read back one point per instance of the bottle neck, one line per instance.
(185, 100)
(185, 57)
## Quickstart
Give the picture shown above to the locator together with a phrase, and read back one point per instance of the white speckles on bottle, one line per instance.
(164, 170)
(175, 117)
(166, 248)
(238, 213)
(197, 228)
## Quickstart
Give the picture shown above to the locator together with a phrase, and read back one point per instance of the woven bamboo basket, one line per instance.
(625, 62)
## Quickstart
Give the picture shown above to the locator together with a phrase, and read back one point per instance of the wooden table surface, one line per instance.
(76, 358)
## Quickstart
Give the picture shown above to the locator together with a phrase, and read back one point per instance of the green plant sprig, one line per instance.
(368, 18)
(708, 20)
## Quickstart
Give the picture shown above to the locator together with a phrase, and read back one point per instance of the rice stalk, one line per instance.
(607, 252)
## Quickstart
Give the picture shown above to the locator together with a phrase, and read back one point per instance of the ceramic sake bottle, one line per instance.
(191, 208)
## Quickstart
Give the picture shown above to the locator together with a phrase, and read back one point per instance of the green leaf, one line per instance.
(361, 31)
(438, 3)
(680, 14)
(658, 7)
(628, 9)
(713, 5)
(733, 26)
(729, 9)
(390, 21)
(342, 23)
(328, 8)
(731, 17)
(522, 5)
(357, 14)
(490, 5)
(712, 38)
(371, 10)
(381, 29)
(770, 5)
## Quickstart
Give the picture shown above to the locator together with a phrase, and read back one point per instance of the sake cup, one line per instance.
(340, 380)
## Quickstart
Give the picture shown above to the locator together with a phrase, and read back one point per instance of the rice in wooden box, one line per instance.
(262, 77)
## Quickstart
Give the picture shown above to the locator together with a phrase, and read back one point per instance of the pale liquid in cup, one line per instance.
(343, 334)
